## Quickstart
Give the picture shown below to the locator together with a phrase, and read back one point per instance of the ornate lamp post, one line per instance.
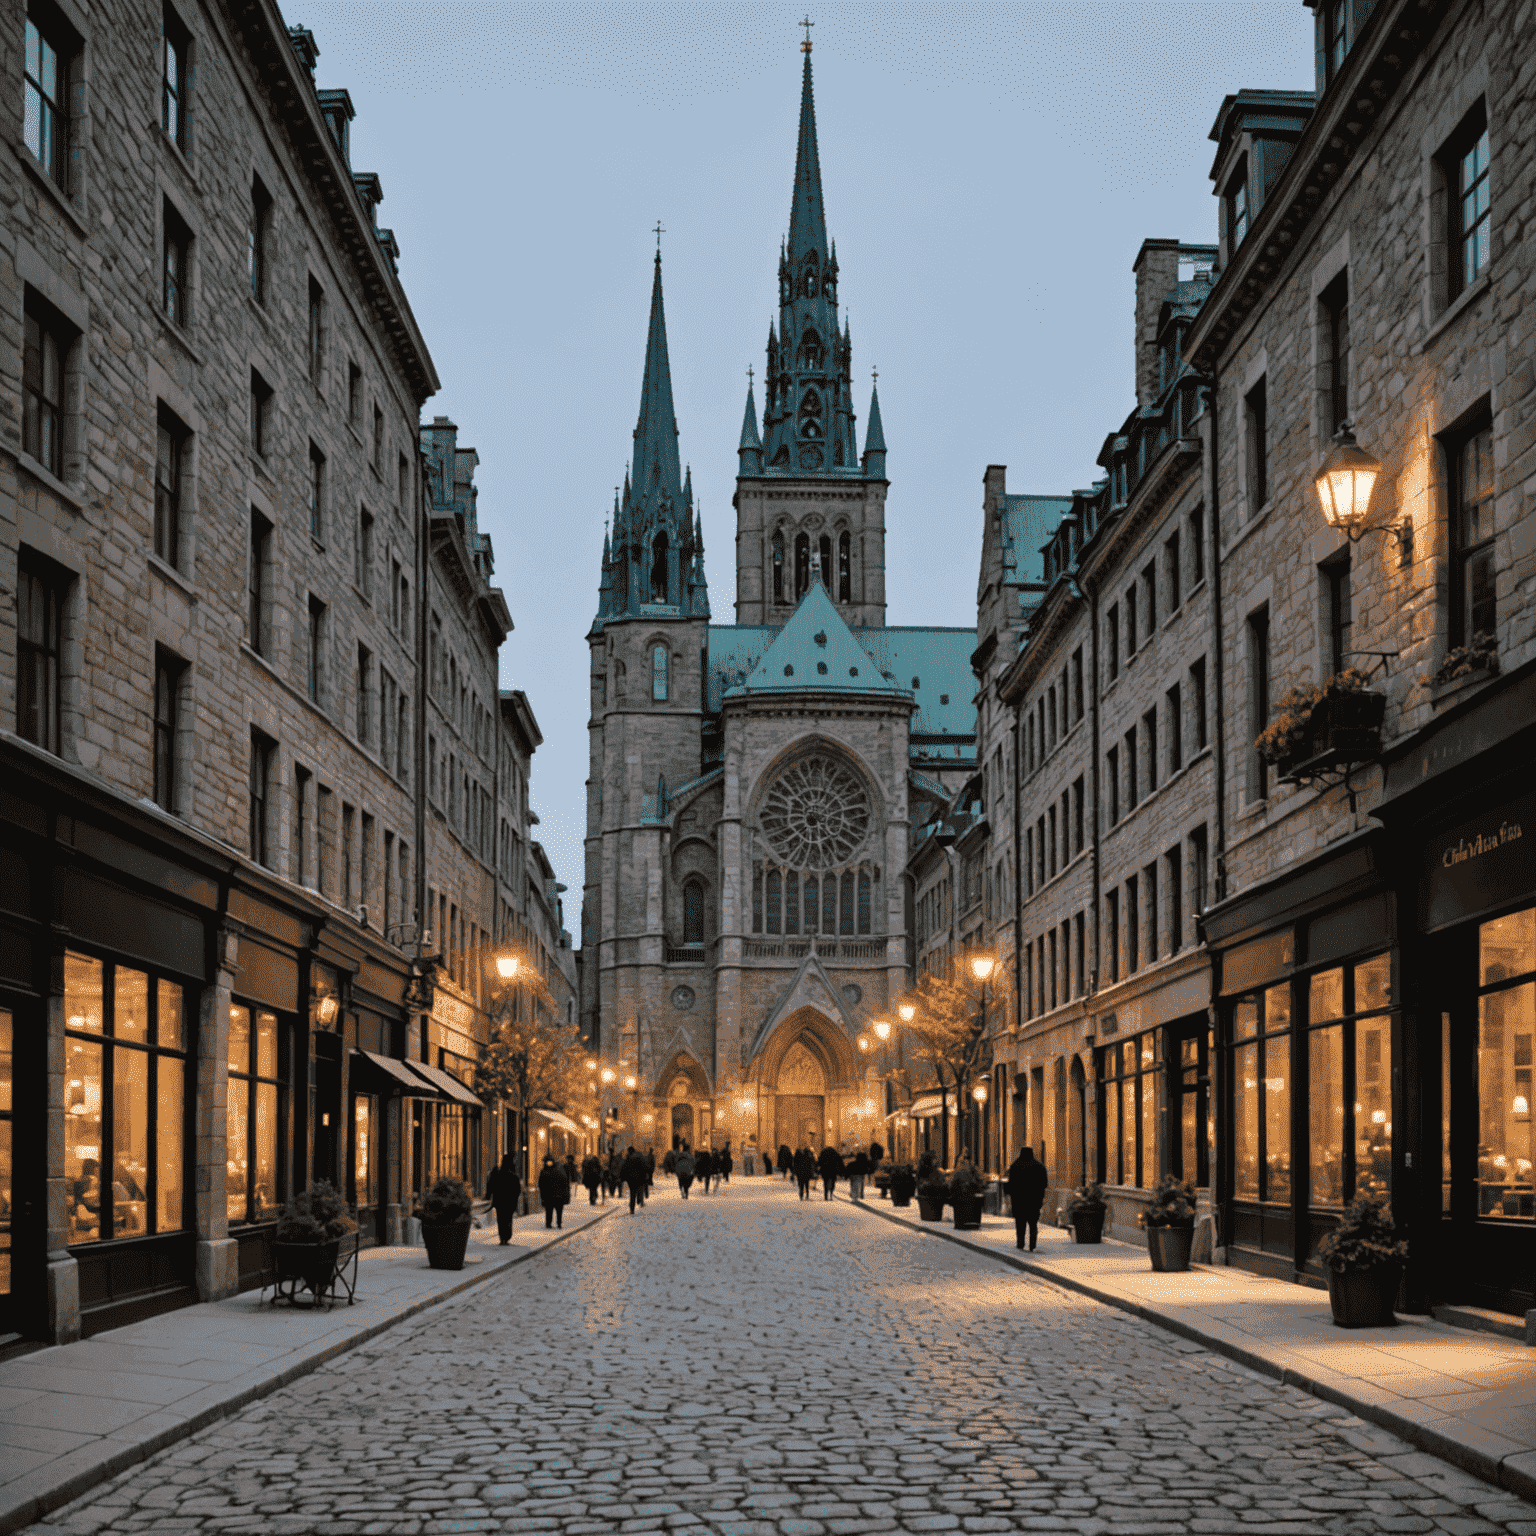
(1344, 482)
(982, 967)
(906, 1012)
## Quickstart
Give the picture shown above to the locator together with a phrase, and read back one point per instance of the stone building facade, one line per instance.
(745, 913)
(214, 554)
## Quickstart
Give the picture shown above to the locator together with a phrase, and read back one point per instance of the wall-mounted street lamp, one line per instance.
(1344, 481)
(506, 966)
(882, 1030)
(979, 1093)
(908, 1012)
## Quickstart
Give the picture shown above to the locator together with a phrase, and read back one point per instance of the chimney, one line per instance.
(339, 112)
(1157, 274)
(303, 41)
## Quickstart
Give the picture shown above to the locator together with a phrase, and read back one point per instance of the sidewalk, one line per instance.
(1469, 1398)
(77, 1414)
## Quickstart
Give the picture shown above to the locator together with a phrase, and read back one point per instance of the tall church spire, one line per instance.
(807, 217)
(656, 460)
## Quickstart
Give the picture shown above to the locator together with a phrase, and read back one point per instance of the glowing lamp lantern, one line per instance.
(608, 1074)
(1344, 484)
(981, 967)
(882, 1029)
(863, 1042)
(327, 1010)
(506, 966)
(907, 1012)
(1521, 1106)
(629, 1083)
(979, 1093)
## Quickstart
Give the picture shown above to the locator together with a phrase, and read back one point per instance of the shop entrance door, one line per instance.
(1189, 1081)
(326, 1104)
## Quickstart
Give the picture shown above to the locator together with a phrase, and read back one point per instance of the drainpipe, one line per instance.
(1219, 713)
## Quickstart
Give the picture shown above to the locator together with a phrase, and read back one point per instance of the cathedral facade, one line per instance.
(745, 915)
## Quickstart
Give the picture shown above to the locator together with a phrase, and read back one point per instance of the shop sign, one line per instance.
(1481, 864)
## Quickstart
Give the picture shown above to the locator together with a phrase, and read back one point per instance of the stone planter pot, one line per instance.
(968, 1210)
(902, 1190)
(1362, 1298)
(1088, 1224)
(1170, 1247)
(930, 1208)
(446, 1245)
(308, 1264)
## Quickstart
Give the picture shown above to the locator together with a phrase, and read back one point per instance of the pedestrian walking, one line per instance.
(704, 1168)
(727, 1162)
(749, 1161)
(684, 1165)
(636, 1177)
(591, 1176)
(554, 1192)
(503, 1189)
(859, 1170)
(831, 1164)
(876, 1153)
(1027, 1179)
(650, 1169)
(804, 1166)
(572, 1172)
(786, 1162)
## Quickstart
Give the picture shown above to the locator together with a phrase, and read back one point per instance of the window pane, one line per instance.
(1245, 1019)
(1151, 1096)
(1277, 1009)
(1112, 1133)
(82, 1139)
(362, 1150)
(266, 1151)
(237, 1147)
(168, 1022)
(171, 1074)
(1325, 1055)
(1506, 1023)
(239, 1039)
(266, 1044)
(1373, 984)
(1373, 1106)
(130, 1143)
(82, 993)
(5, 1200)
(130, 1004)
(1507, 947)
(1327, 997)
(1128, 1129)
(6, 1064)
(1277, 1118)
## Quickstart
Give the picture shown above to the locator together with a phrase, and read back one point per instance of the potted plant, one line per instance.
(307, 1242)
(1286, 739)
(1364, 1258)
(967, 1189)
(1481, 656)
(1085, 1213)
(1347, 719)
(445, 1214)
(903, 1180)
(1170, 1224)
(932, 1188)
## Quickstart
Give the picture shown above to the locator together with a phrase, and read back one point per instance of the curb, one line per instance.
(1500, 1470)
(25, 1511)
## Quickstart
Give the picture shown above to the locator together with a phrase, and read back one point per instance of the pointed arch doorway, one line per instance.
(801, 1104)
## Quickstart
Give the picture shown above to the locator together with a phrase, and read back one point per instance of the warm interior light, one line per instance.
(327, 1010)
(1378, 1117)
(629, 1082)
(1521, 1106)
(863, 1042)
(1345, 482)
(979, 1093)
(907, 1012)
(608, 1074)
(506, 966)
(981, 966)
(591, 1066)
(883, 1029)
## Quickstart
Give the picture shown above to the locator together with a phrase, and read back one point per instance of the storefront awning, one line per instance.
(372, 1073)
(556, 1118)
(930, 1107)
(447, 1084)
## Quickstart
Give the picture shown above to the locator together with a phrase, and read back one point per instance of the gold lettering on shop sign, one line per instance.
(1485, 842)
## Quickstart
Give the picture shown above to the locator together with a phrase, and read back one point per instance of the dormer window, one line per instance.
(1237, 206)
(1335, 21)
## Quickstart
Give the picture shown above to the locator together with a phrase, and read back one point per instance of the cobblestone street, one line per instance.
(746, 1363)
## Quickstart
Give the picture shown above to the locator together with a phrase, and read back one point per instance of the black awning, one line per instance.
(372, 1073)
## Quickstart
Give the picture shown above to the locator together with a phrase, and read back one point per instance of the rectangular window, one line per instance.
(261, 787)
(1149, 746)
(1503, 1066)
(403, 497)
(354, 394)
(1077, 815)
(1053, 969)
(348, 890)
(45, 351)
(1112, 640)
(173, 78)
(1173, 876)
(315, 668)
(175, 266)
(324, 882)
(169, 672)
(1196, 547)
(1256, 437)
(378, 438)
(1149, 595)
(257, 234)
(389, 881)
(1112, 784)
(1473, 609)
(1112, 933)
(1130, 623)
(394, 595)
(1258, 699)
(1199, 873)
(171, 440)
(1173, 708)
(1029, 860)
(1132, 925)
(1334, 346)
(125, 1102)
(316, 339)
(1149, 895)
(1332, 20)
(1197, 703)
(1337, 610)
(39, 644)
(364, 695)
(1080, 934)
(45, 108)
(1132, 770)
(365, 861)
(1174, 571)
(402, 736)
(364, 553)
(259, 1053)
(1050, 833)
(258, 619)
(261, 415)
(1237, 206)
(1040, 851)
(303, 823)
(1077, 685)
(316, 489)
(1471, 221)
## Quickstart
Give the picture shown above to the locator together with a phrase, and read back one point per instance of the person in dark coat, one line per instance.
(650, 1169)
(572, 1172)
(685, 1165)
(1026, 1189)
(554, 1191)
(786, 1161)
(503, 1189)
(704, 1167)
(876, 1152)
(725, 1162)
(831, 1164)
(859, 1170)
(592, 1177)
(805, 1170)
(633, 1173)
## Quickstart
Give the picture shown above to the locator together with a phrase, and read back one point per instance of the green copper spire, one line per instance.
(657, 470)
(874, 438)
(750, 448)
(808, 418)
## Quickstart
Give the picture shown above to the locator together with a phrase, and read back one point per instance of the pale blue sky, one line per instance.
(989, 172)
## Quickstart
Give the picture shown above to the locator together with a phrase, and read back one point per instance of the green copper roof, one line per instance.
(734, 652)
(934, 665)
(1028, 523)
(816, 652)
(874, 433)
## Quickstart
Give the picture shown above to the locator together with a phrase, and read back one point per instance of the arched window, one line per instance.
(810, 414)
(757, 898)
(659, 568)
(778, 567)
(829, 904)
(620, 680)
(693, 912)
(802, 566)
(775, 901)
(845, 915)
(792, 902)
(844, 570)
(658, 671)
(811, 898)
(864, 901)
(826, 561)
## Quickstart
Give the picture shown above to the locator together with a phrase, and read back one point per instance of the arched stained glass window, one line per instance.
(829, 904)
(693, 912)
(658, 671)
(792, 902)
(778, 567)
(844, 570)
(757, 898)
(802, 565)
(811, 898)
(775, 901)
(845, 915)
(864, 901)
(826, 561)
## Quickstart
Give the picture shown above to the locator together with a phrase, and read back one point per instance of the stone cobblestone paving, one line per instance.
(751, 1365)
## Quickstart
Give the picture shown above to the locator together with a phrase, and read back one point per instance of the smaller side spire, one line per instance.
(874, 439)
(750, 448)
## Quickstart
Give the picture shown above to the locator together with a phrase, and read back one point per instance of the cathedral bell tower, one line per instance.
(807, 509)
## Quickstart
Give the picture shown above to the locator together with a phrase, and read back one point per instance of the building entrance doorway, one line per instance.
(682, 1125)
(800, 1121)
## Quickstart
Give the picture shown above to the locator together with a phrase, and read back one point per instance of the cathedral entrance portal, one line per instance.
(800, 1118)
(682, 1125)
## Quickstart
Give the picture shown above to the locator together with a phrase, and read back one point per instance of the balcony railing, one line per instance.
(685, 954)
(863, 950)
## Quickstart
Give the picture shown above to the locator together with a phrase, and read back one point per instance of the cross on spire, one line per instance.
(807, 23)
(749, 375)
(659, 231)
(874, 374)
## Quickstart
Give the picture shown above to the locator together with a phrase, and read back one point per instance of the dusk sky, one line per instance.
(989, 172)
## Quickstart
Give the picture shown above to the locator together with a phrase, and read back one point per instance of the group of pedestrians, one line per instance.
(708, 1167)
(804, 1166)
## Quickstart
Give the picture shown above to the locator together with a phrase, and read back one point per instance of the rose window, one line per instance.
(815, 814)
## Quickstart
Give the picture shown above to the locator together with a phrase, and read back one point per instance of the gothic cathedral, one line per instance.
(745, 918)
